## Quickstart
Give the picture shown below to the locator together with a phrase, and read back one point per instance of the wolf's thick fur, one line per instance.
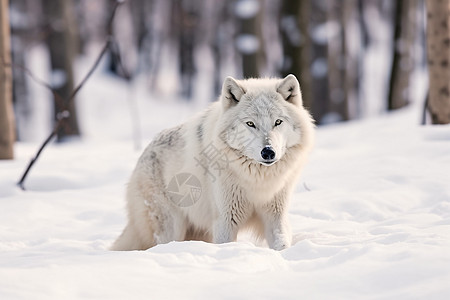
(262, 134)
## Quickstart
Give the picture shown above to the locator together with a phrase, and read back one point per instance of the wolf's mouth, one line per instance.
(268, 162)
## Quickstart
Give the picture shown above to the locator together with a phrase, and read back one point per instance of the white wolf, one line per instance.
(238, 162)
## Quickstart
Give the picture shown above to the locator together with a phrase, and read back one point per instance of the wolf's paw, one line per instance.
(281, 243)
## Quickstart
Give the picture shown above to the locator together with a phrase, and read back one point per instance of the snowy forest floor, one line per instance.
(370, 219)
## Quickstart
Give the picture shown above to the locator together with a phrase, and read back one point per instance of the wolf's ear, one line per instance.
(289, 88)
(231, 92)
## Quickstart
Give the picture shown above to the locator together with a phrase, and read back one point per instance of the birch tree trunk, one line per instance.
(6, 109)
(438, 49)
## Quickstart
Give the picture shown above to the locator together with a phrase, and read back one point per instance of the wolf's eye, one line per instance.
(278, 122)
(250, 124)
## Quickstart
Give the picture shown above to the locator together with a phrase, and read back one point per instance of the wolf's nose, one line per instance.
(267, 153)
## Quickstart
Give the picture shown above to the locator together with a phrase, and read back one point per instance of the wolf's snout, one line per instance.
(267, 153)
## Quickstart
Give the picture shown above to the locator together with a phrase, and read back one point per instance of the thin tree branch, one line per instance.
(33, 77)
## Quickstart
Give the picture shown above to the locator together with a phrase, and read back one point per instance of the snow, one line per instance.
(289, 25)
(319, 68)
(247, 43)
(246, 9)
(370, 216)
(58, 78)
(322, 33)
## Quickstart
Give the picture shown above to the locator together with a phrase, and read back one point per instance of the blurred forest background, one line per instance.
(353, 58)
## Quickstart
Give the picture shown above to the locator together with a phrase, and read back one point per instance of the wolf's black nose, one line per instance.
(267, 153)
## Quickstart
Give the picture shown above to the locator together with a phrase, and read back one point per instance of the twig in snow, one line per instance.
(306, 187)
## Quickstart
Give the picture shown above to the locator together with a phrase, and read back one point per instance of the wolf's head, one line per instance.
(262, 117)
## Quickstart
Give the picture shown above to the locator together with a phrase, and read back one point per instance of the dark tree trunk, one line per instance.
(249, 42)
(186, 16)
(337, 56)
(353, 43)
(294, 21)
(319, 68)
(62, 46)
(403, 59)
(219, 42)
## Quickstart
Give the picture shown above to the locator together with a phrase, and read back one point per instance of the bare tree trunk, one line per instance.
(140, 9)
(62, 46)
(438, 48)
(337, 107)
(365, 36)
(294, 21)
(186, 17)
(319, 68)
(23, 34)
(18, 45)
(249, 39)
(344, 40)
(219, 41)
(6, 109)
(403, 62)
(353, 40)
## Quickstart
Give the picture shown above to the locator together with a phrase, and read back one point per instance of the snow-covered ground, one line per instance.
(370, 217)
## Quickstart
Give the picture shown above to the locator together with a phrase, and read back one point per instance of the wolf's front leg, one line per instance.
(233, 210)
(277, 232)
(224, 231)
(276, 224)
